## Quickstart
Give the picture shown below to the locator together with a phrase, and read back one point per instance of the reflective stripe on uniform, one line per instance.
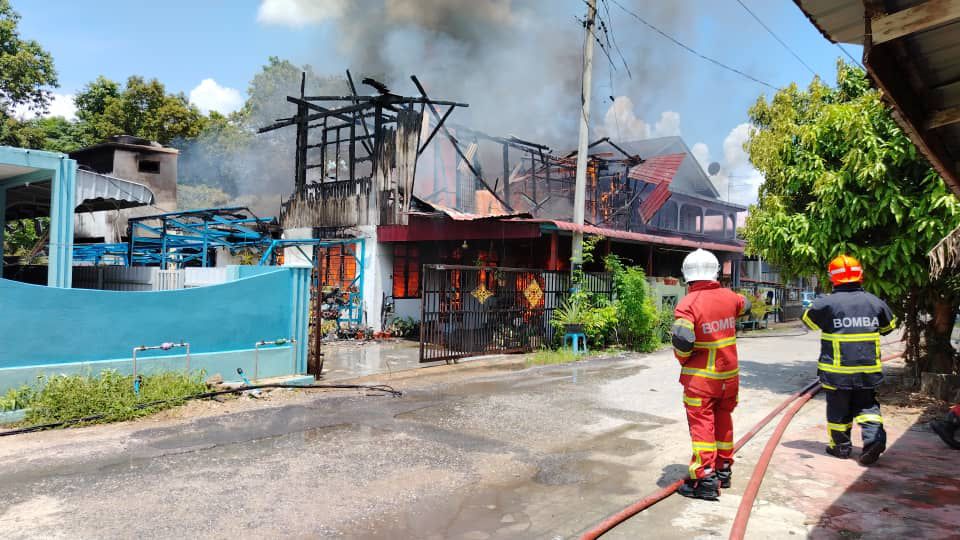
(808, 321)
(720, 375)
(700, 446)
(684, 323)
(869, 336)
(721, 445)
(827, 386)
(839, 427)
(891, 326)
(692, 401)
(718, 344)
(831, 368)
(710, 371)
(697, 462)
(837, 339)
(864, 418)
(682, 354)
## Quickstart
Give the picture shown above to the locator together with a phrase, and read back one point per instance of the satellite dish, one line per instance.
(713, 168)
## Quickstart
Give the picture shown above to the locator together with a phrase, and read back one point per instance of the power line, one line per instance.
(690, 50)
(776, 37)
(850, 56)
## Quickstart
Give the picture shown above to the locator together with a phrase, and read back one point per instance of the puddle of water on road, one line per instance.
(522, 508)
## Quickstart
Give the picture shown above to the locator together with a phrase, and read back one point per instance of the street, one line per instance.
(486, 449)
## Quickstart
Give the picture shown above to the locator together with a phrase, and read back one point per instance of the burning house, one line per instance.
(428, 196)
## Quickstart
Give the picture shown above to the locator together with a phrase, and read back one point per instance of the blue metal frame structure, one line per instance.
(352, 312)
(181, 238)
(99, 254)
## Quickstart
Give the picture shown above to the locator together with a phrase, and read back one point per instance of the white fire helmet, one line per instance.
(700, 265)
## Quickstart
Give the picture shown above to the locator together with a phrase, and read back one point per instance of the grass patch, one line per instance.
(548, 357)
(68, 397)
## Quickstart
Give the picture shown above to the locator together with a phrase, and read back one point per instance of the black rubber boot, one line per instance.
(842, 452)
(706, 488)
(947, 430)
(725, 476)
(871, 452)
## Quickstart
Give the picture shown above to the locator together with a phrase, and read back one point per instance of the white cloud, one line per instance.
(210, 96)
(737, 177)
(60, 105)
(299, 13)
(622, 123)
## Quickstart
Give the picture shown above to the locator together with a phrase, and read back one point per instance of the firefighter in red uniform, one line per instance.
(705, 342)
(851, 322)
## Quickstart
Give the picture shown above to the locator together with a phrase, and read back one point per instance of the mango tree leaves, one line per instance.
(841, 176)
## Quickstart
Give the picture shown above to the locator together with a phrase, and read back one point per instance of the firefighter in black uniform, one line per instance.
(851, 322)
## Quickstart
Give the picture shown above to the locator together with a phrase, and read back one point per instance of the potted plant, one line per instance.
(571, 315)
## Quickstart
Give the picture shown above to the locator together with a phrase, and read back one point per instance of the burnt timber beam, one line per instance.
(943, 117)
(907, 104)
(456, 145)
(506, 172)
(356, 100)
(341, 114)
(918, 18)
(435, 130)
(384, 99)
(514, 142)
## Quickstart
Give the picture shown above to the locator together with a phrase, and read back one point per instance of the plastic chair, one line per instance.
(575, 340)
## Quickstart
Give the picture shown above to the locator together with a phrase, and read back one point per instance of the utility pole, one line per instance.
(579, 198)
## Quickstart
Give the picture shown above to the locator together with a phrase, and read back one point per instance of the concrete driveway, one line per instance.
(487, 449)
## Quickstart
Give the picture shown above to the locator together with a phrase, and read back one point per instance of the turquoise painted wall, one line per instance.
(52, 330)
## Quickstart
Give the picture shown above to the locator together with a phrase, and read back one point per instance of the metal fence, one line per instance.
(146, 278)
(471, 311)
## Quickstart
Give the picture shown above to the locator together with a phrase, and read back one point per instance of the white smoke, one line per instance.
(622, 124)
(737, 179)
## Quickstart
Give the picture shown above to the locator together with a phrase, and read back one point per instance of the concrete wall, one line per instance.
(163, 183)
(377, 269)
(408, 307)
(659, 288)
(51, 330)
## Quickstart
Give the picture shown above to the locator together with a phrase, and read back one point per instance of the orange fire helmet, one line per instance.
(845, 269)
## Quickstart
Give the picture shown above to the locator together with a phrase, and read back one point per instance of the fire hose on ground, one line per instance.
(798, 399)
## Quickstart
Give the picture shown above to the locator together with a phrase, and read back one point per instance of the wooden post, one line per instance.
(506, 173)
(553, 263)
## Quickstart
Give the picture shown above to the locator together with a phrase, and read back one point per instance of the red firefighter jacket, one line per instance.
(705, 337)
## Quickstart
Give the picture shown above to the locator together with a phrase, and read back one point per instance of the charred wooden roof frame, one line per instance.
(359, 113)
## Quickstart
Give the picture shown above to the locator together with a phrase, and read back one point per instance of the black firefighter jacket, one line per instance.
(851, 322)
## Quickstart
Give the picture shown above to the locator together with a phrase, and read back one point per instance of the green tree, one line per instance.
(58, 133)
(842, 177)
(142, 108)
(26, 76)
(26, 69)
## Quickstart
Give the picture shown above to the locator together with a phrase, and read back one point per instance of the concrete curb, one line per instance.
(11, 417)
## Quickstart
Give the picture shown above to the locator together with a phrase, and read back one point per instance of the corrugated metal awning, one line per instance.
(643, 238)
(96, 192)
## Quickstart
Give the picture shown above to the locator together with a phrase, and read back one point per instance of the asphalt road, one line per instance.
(485, 450)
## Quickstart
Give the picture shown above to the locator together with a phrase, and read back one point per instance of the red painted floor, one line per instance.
(912, 492)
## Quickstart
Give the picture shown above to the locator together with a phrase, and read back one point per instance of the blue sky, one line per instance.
(185, 43)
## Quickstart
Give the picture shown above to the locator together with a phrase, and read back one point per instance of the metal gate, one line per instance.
(472, 311)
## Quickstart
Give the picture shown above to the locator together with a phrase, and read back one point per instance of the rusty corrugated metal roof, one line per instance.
(646, 238)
